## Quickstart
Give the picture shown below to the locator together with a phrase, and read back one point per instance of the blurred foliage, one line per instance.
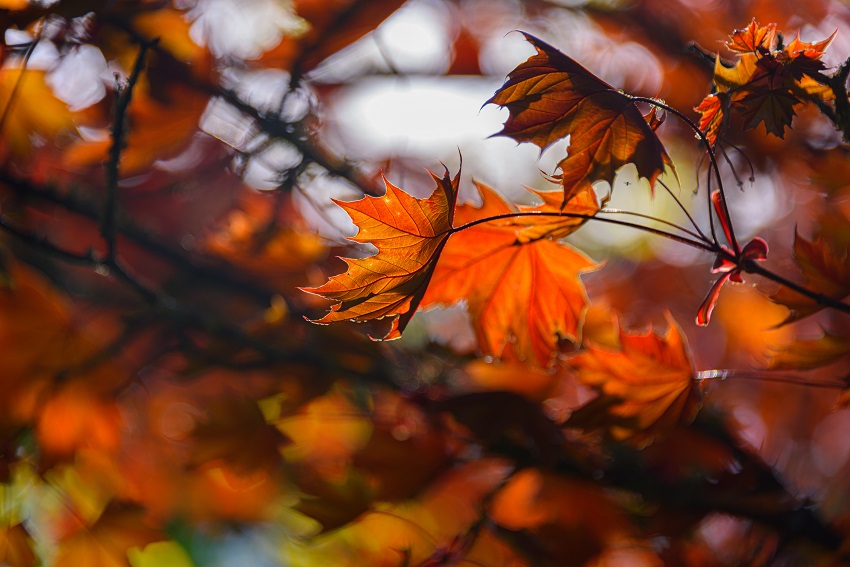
(169, 180)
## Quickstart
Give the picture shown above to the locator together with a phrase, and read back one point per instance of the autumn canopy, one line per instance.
(276, 288)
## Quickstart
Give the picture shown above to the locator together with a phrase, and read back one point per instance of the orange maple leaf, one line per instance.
(826, 270)
(519, 285)
(645, 386)
(409, 234)
(806, 354)
(753, 38)
(712, 115)
(527, 293)
(550, 97)
(555, 227)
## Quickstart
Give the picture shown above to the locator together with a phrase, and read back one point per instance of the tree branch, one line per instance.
(123, 96)
(26, 189)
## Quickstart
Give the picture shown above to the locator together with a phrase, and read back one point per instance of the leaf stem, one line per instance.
(681, 116)
(754, 268)
(652, 218)
(684, 210)
(123, 96)
(707, 246)
(759, 376)
(7, 110)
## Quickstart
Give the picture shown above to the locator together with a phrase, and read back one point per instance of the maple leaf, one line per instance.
(753, 38)
(586, 519)
(813, 50)
(826, 271)
(645, 386)
(520, 291)
(806, 354)
(769, 101)
(712, 115)
(554, 227)
(409, 234)
(550, 96)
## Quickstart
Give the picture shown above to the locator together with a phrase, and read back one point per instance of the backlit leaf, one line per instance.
(805, 354)
(753, 38)
(534, 228)
(766, 83)
(527, 295)
(409, 234)
(645, 386)
(826, 271)
(550, 97)
(712, 115)
(584, 518)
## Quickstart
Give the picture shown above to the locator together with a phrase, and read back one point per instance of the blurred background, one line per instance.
(252, 118)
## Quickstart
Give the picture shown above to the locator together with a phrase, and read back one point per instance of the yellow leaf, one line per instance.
(160, 554)
(30, 107)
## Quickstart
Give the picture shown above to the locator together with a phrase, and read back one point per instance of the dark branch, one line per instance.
(123, 96)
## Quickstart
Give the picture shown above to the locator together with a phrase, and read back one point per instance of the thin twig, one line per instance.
(684, 210)
(708, 247)
(229, 279)
(7, 110)
(758, 376)
(825, 300)
(179, 314)
(123, 96)
(271, 125)
(652, 218)
(712, 157)
(731, 167)
(44, 245)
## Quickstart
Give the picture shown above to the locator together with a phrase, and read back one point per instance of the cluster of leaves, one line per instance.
(766, 82)
(162, 394)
